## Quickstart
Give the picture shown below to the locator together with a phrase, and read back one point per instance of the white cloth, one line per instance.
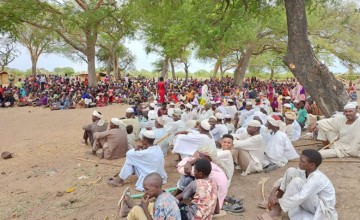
(226, 157)
(221, 109)
(297, 131)
(290, 132)
(144, 162)
(205, 114)
(279, 149)
(185, 116)
(147, 124)
(230, 127)
(164, 144)
(188, 144)
(218, 131)
(255, 145)
(311, 198)
(231, 110)
(204, 92)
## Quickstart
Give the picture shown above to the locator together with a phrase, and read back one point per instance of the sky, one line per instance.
(143, 60)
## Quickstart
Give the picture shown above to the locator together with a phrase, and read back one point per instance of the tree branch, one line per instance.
(82, 4)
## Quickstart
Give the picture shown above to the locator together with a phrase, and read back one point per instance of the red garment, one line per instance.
(161, 92)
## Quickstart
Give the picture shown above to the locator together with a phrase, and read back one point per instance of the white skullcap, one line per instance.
(227, 116)
(193, 103)
(148, 133)
(254, 123)
(160, 121)
(219, 116)
(218, 102)
(230, 100)
(171, 103)
(116, 121)
(129, 110)
(205, 124)
(350, 105)
(249, 103)
(97, 114)
(188, 105)
(287, 97)
(177, 112)
(155, 102)
(213, 117)
(212, 102)
(287, 105)
(152, 105)
(355, 103)
(273, 122)
(296, 101)
(152, 115)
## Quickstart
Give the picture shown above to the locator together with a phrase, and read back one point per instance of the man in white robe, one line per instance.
(185, 115)
(220, 107)
(187, 142)
(341, 134)
(176, 126)
(305, 193)
(290, 117)
(152, 116)
(130, 119)
(279, 150)
(248, 150)
(206, 112)
(231, 108)
(229, 125)
(142, 161)
(225, 154)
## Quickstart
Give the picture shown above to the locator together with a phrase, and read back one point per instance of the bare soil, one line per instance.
(46, 145)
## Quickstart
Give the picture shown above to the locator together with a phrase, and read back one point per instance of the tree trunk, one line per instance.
(216, 67)
(90, 56)
(34, 60)
(108, 66)
(165, 67)
(186, 69)
(243, 64)
(318, 81)
(271, 73)
(221, 71)
(172, 69)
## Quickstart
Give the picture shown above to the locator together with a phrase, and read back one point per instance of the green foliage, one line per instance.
(64, 70)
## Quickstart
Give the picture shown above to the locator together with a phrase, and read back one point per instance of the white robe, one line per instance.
(297, 130)
(205, 114)
(218, 131)
(348, 143)
(144, 162)
(188, 144)
(279, 149)
(311, 198)
(226, 157)
(255, 145)
(231, 110)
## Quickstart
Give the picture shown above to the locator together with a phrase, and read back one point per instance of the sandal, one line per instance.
(235, 208)
(234, 200)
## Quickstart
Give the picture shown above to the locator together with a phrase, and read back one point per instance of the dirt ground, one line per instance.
(46, 146)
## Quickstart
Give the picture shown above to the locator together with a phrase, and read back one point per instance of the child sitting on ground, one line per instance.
(203, 191)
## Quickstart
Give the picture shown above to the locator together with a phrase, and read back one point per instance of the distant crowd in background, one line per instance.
(63, 92)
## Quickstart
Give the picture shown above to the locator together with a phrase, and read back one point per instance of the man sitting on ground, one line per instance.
(279, 150)
(164, 207)
(341, 134)
(248, 150)
(224, 154)
(304, 193)
(141, 161)
(97, 125)
(111, 144)
(130, 119)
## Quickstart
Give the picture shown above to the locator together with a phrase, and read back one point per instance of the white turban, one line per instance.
(97, 114)
(177, 112)
(227, 116)
(116, 121)
(160, 121)
(188, 105)
(148, 133)
(350, 105)
(287, 97)
(287, 105)
(219, 116)
(254, 123)
(170, 112)
(152, 105)
(290, 115)
(249, 103)
(205, 124)
(296, 101)
(273, 122)
(129, 110)
(152, 115)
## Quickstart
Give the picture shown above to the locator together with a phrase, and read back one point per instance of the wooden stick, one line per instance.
(100, 162)
(335, 161)
(306, 144)
(163, 138)
(327, 146)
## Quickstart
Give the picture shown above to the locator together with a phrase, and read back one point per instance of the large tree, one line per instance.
(77, 22)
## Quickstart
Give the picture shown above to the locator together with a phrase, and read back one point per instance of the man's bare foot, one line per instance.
(275, 211)
(115, 182)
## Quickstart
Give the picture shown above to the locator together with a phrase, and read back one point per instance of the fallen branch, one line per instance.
(100, 162)
(327, 146)
(262, 182)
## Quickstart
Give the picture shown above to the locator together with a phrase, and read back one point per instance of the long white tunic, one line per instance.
(313, 198)
(144, 162)
(279, 149)
(297, 130)
(226, 157)
(205, 114)
(188, 144)
(255, 145)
